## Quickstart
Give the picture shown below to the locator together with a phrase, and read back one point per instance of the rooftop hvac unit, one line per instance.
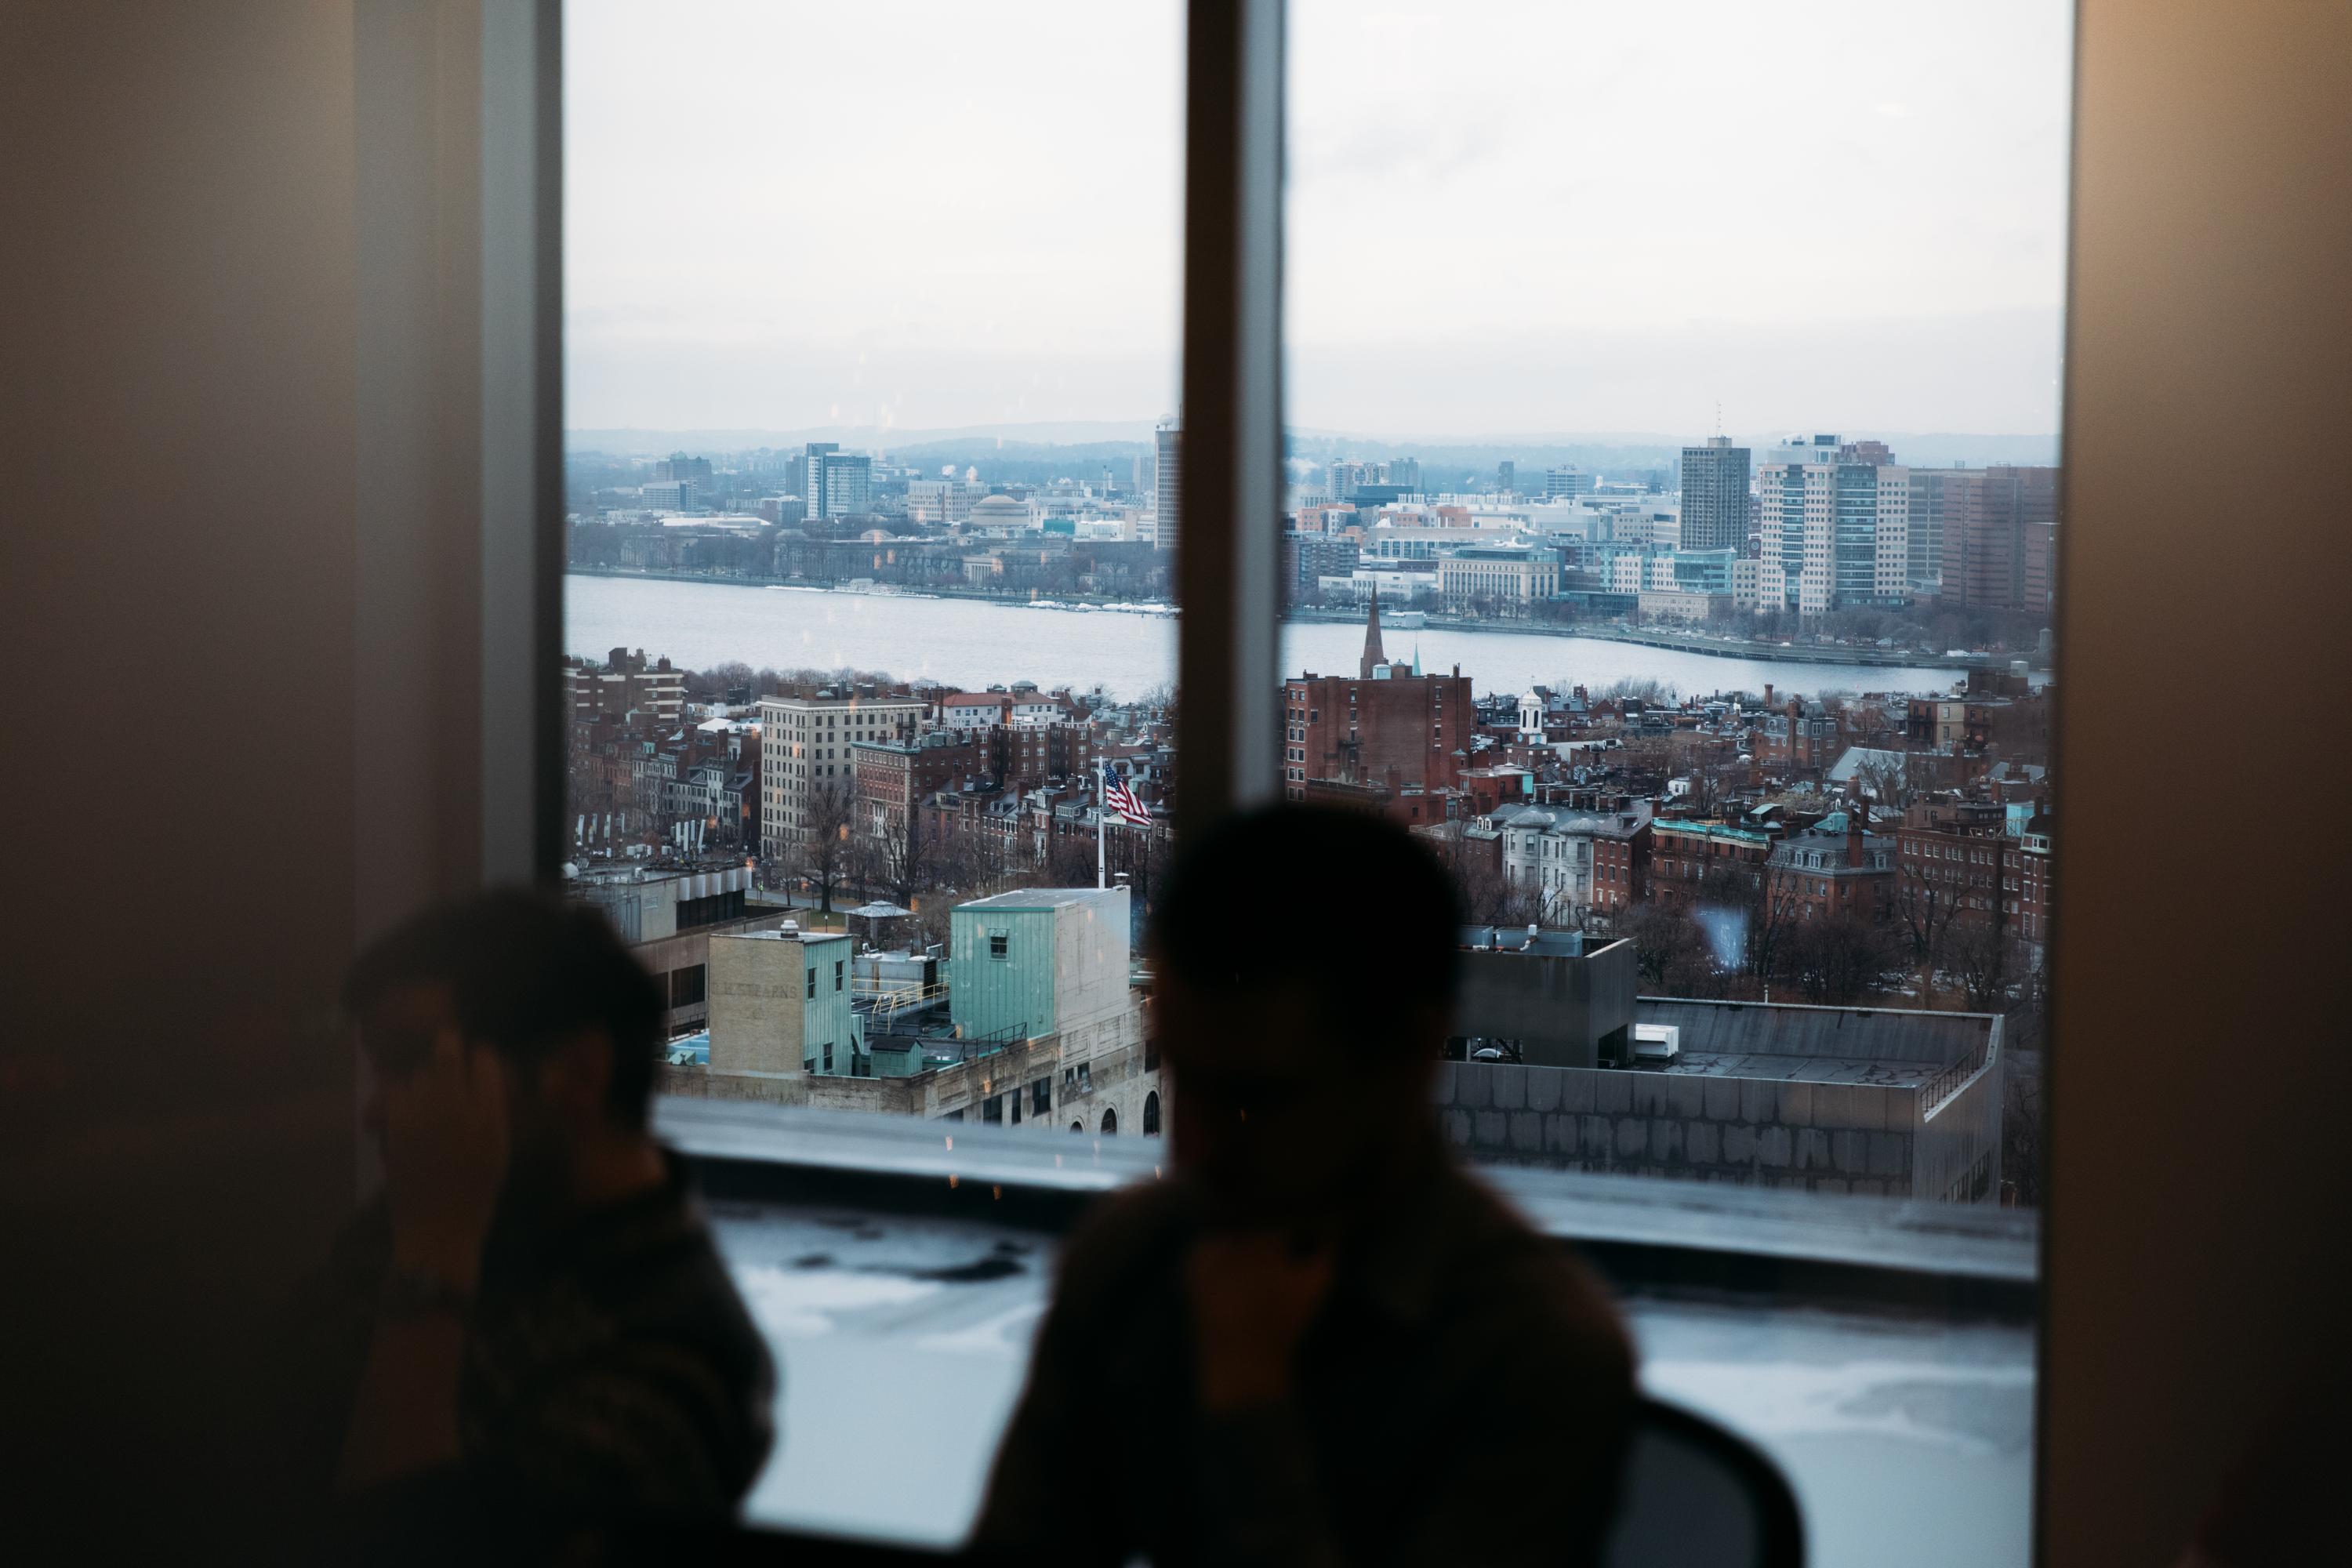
(1657, 1042)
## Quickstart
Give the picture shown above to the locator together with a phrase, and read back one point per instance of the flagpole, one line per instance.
(1102, 825)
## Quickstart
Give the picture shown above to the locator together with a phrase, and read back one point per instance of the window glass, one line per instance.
(871, 356)
(1673, 451)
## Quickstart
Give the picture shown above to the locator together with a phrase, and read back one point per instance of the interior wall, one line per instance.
(2198, 1061)
(177, 604)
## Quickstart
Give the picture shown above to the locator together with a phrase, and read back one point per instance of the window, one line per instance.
(1586, 302)
(1862, 535)
(992, 1108)
(828, 1056)
(837, 966)
(686, 985)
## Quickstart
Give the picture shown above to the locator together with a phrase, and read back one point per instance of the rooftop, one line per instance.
(1540, 943)
(1892, 1048)
(1044, 898)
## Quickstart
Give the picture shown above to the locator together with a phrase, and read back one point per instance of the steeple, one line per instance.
(1373, 654)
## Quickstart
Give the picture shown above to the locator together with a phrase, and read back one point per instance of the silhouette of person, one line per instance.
(1320, 1341)
(529, 1338)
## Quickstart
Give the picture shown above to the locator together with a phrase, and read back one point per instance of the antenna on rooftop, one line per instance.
(1718, 415)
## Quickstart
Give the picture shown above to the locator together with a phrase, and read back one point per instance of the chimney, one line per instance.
(1768, 694)
(1854, 820)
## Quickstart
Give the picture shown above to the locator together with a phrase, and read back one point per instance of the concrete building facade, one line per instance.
(1828, 1099)
(1168, 496)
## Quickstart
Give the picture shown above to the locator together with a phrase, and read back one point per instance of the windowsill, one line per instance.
(1880, 1351)
(1646, 1226)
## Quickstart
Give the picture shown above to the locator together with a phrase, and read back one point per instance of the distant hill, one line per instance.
(1111, 440)
(860, 437)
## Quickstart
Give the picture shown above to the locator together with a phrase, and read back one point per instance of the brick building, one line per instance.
(1953, 859)
(1800, 737)
(891, 776)
(2030, 871)
(1684, 855)
(1389, 724)
(627, 690)
(1836, 869)
(1029, 754)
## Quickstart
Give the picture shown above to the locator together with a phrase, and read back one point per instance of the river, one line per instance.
(978, 643)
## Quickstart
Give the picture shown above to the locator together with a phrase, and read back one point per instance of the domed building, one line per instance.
(999, 517)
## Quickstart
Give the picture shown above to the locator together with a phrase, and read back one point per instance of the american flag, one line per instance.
(1122, 801)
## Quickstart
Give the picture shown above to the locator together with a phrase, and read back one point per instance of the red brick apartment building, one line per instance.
(1954, 858)
(892, 777)
(1621, 864)
(1836, 869)
(1683, 854)
(1384, 725)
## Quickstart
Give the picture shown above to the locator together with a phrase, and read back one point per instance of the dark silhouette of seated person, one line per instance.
(529, 1341)
(1320, 1340)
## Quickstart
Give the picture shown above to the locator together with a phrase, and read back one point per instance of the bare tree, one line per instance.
(1671, 952)
(1770, 899)
(1924, 911)
(1836, 960)
(897, 854)
(823, 851)
(1977, 956)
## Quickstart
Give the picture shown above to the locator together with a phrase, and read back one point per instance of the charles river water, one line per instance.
(977, 643)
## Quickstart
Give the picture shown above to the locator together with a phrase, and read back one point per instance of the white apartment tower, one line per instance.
(1836, 522)
(804, 751)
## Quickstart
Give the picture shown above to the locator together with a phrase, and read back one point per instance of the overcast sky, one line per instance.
(1504, 219)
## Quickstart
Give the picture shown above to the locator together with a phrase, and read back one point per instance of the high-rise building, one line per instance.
(1168, 522)
(1934, 492)
(1348, 477)
(838, 483)
(1837, 523)
(1402, 472)
(1566, 481)
(1999, 536)
(1506, 476)
(1714, 496)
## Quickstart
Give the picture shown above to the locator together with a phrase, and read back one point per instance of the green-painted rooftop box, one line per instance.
(1030, 964)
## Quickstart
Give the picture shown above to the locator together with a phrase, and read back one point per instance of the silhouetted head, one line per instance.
(546, 983)
(1306, 960)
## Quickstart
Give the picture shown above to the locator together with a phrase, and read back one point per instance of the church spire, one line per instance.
(1373, 654)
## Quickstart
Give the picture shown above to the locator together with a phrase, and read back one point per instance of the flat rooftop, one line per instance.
(1043, 898)
(1541, 943)
(1899, 1048)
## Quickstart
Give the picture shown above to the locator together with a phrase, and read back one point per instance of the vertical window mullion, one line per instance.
(1229, 546)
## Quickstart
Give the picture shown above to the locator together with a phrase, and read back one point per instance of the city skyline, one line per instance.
(1586, 249)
